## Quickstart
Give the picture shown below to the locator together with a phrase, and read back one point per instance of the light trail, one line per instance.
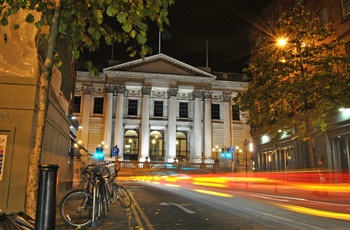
(316, 212)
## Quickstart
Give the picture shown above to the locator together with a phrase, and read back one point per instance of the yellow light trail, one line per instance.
(315, 212)
(213, 193)
(210, 184)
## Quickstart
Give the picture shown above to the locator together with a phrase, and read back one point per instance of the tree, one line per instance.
(300, 74)
(79, 25)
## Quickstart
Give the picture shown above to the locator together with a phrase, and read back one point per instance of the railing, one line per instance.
(153, 165)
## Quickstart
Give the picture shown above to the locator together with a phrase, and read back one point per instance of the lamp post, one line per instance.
(246, 155)
(216, 165)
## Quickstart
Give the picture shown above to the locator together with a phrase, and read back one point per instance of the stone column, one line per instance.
(119, 128)
(207, 127)
(172, 93)
(196, 156)
(87, 91)
(109, 89)
(226, 117)
(146, 91)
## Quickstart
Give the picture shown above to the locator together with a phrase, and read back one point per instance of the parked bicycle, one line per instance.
(115, 191)
(83, 207)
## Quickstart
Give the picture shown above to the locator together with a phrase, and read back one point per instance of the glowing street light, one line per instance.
(282, 42)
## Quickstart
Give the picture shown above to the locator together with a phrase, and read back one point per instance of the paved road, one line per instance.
(169, 206)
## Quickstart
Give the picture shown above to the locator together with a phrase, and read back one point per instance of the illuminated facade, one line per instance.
(159, 109)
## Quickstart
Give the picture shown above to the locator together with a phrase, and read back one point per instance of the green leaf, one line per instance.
(98, 16)
(133, 33)
(121, 17)
(141, 39)
(5, 38)
(30, 18)
(38, 25)
(112, 11)
(133, 53)
(4, 22)
(127, 27)
(108, 40)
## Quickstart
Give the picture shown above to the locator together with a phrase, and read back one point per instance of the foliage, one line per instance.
(85, 23)
(79, 25)
(294, 87)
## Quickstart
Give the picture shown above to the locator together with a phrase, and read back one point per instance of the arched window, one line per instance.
(156, 146)
(131, 145)
(181, 147)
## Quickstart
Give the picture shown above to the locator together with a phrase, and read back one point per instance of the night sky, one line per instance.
(223, 23)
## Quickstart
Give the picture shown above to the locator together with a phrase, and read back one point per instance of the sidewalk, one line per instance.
(118, 218)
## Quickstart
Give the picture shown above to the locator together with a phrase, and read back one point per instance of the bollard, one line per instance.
(46, 204)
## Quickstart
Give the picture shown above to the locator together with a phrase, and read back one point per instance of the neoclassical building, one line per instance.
(159, 108)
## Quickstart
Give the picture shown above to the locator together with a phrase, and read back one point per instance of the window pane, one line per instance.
(183, 109)
(132, 107)
(235, 113)
(323, 18)
(215, 111)
(76, 104)
(98, 105)
(346, 7)
(158, 108)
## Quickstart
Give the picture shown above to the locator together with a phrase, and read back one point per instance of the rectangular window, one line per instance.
(98, 105)
(183, 109)
(235, 113)
(323, 18)
(215, 111)
(346, 7)
(158, 108)
(132, 107)
(76, 104)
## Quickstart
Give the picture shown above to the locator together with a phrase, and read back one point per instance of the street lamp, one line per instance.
(282, 42)
(216, 150)
(246, 155)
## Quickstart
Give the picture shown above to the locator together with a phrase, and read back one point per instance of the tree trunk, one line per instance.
(309, 142)
(43, 104)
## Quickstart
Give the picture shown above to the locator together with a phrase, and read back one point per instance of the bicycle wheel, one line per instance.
(76, 208)
(104, 201)
(123, 196)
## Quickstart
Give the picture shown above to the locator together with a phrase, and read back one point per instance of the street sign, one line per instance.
(232, 149)
(115, 152)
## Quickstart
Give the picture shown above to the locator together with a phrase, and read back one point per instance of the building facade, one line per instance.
(159, 109)
(331, 148)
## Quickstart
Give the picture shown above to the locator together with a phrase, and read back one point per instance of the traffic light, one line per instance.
(99, 154)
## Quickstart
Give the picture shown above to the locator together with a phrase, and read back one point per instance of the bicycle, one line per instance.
(82, 207)
(115, 191)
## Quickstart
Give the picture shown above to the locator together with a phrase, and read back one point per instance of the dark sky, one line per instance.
(223, 23)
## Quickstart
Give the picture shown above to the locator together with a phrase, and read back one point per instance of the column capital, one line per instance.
(172, 92)
(197, 94)
(88, 89)
(146, 90)
(226, 98)
(109, 88)
(120, 89)
(207, 94)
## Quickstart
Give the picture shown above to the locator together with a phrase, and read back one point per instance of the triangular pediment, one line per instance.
(159, 64)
